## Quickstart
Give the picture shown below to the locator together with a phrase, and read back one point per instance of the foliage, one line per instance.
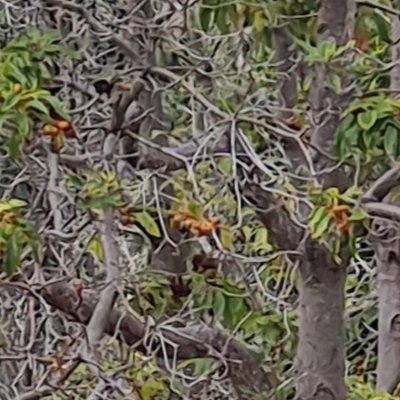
(16, 234)
(335, 216)
(358, 390)
(25, 70)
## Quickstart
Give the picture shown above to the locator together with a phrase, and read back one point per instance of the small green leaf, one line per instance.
(327, 49)
(225, 165)
(7, 205)
(259, 21)
(39, 106)
(391, 140)
(14, 146)
(358, 214)
(151, 388)
(56, 105)
(205, 18)
(307, 82)
(148, 223)
(225, 236)
(261, 237)
(202, 366)
(321, 227)
(12, 254)
(219, 305)
(220, 20)
(335, 82)
(94, 247)
(367, 119)
(247, 233)
(195, 209)
(23, 124)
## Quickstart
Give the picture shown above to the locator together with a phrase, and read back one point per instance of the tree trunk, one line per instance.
(387, 252)
(320, 355)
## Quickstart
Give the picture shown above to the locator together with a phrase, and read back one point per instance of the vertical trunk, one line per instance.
(320, 354)
(388, 265)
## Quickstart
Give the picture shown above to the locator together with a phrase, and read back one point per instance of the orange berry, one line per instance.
(50, 130)
(206, 228)
(63, 125)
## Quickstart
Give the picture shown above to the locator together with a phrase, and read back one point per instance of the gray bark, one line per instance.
(320, 353)
(388, 265)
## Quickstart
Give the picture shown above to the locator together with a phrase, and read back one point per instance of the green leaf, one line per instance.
(358, 214)
(202, 366)
(225, 165)
(271, 334)
(261, 237)
(335, 82)
(235, 309)
(219, 305)
(391, 140)
(367, 119)
(23, 124)
(56, 105)
(151, 388)
(259, 21)
(39, 106)
(148, 223)
(100, 203)
(10, 102)
(12, 254)
(328, 49)
(94, 247)
(316, 215)
(321, 227)
(307, 82)
(195, 209)
(13, 146)
(7, 205)
(247, 233)
(226, 238)
(220, 20)
(205, 18)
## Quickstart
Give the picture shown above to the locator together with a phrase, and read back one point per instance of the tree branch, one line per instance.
(191, 341)
(382, 186)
